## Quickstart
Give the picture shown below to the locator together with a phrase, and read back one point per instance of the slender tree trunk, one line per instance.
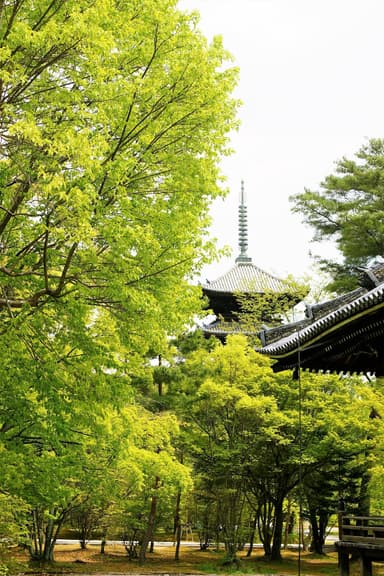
(278, 531)
(148, 535)
(48, 541)
(43, 536)
(160, 383)
(44, 533)
(232, 520)
(287, 524)
(54, 527)
(318, 529)
(103, 542)
(252, 537)
(35, 547)
(301, 534)
(264, 522)
(177, 527)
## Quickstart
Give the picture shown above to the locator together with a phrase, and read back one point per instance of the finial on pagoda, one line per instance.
(243, 228)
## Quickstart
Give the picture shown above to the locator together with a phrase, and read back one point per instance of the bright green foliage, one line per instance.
(51, 373)
(51, 484)
(253, 434)
(13, 521)
(13, 527)
(114, 117)
(348, 209)
(327, 426)
(269, 307)
(111, 467)
(146, 471)
(226, 416)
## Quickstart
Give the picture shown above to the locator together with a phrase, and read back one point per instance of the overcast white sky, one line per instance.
(312, 86)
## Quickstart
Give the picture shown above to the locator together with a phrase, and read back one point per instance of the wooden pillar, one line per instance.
(365, 565)
(340, 523)
(344, 562)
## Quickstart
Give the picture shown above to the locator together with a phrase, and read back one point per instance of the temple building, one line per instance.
(342, 335)
(244, 278)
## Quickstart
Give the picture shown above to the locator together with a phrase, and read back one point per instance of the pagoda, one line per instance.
(244, 278)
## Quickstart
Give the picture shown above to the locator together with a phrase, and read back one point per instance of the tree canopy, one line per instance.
(114, 116)
(113, 119)
(348, 209)
(253, 436)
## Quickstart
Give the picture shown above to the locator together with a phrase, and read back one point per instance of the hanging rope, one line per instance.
(301, 529)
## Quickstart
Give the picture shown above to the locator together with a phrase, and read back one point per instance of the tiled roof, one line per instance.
(246, 277)
(222, 329)
(342, 335)
(302, 335)
(313, 312)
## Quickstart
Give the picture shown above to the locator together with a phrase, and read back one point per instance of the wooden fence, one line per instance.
(360, 537)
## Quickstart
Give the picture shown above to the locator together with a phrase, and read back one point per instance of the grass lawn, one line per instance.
(70, 559)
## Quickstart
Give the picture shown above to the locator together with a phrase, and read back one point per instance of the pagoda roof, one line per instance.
(222, 329)
(245, 277)
(345, 334)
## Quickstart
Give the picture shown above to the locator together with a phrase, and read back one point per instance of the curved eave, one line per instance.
(367, 304)
(211, 293)
(223, 329)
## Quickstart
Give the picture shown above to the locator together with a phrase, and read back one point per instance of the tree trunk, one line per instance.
(288, 523)
(232, 507)
(252, 537)
(44, 532)
(177, 527)
(148, 535)
(230, 541)
(83, 544)
(36, 544)
(49, 542)
(318, 529)
(278, 531)
(103, 540)
(43, 536)
(264, 522)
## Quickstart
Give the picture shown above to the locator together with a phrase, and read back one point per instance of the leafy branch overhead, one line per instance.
(113, 119)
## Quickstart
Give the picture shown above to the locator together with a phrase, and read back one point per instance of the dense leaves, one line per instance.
(113, 119)
(254, 435)
(114, 116)
(348, 209)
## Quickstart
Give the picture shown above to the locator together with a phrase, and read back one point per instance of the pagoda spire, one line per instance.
(243, 229)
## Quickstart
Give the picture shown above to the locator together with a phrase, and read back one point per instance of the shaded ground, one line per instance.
(72, 560)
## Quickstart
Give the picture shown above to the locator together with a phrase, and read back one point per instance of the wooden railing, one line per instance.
(362, 536)
(368, 529)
